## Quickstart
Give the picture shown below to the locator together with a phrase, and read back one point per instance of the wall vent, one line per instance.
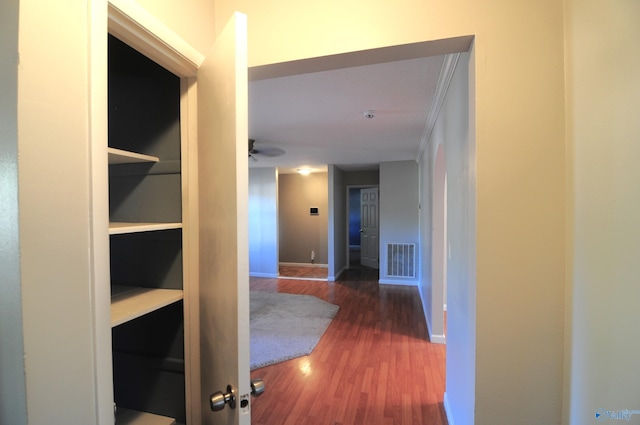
(401, 260)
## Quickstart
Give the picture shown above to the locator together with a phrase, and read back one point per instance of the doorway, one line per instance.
(302, 215)
(362, 227)
(460, 144)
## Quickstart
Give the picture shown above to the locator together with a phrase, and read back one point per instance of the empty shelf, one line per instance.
(128, 302)
(133, 417)
(116, 228)
(119, 156)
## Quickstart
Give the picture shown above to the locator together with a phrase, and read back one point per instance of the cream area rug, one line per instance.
(285, 326)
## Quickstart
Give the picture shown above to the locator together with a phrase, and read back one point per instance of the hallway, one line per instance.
(374, 365)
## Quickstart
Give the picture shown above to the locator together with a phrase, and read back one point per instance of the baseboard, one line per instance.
(424, 311)
(326, 266)
(436, 339)
(447, 410)
(319, 279)
(398, 282)
(257, 274)
(337, 275)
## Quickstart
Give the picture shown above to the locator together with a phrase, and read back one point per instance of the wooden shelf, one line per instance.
(133, 417)
(117, 228)
(128, 302)
(119, 156)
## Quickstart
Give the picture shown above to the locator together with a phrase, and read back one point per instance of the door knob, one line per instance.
(257, 387)
(218, 400)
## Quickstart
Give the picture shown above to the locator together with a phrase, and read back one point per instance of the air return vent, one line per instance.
(401, 260)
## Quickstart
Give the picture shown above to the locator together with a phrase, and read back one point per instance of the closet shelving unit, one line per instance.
(145, 211)
(133, 417)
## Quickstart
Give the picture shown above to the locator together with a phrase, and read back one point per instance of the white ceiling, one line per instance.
(317, 118)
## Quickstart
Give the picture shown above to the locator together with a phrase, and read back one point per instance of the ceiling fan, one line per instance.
(266, 151)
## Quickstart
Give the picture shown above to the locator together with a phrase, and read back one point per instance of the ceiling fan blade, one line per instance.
(270, 151)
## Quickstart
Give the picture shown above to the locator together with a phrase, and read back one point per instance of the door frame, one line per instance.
(348, 188)
(133, 25)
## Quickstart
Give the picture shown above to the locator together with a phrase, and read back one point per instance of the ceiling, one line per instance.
(318, 118)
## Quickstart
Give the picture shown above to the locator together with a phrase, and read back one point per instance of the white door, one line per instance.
(369, 227)
(223, 222)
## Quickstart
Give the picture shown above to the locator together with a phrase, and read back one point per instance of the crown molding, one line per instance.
(446, 74)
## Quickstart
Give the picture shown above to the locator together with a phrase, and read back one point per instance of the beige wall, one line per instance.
(520, 168)
(518, 68)
(299, 232)
(191, 19)
(603, 91)
(55, 199)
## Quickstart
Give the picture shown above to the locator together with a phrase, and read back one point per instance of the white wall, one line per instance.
(603, 92)
(263, 222)
(399, 218)
(337, 240)
(13, 409)
(452, 131)
(425, 285)
(451, 134)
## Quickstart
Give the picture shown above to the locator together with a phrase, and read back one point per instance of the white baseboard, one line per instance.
(319, 279)
(257, 274)
(304, 265)
(337, 275)
(447, 410)
(436, 339)
(398, 282)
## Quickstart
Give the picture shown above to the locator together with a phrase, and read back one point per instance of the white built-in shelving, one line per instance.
(133, 417)
(116, 228)
(119, 156)
(128, 302)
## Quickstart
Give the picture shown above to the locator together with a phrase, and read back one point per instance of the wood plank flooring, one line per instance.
(374, 365)
(303, 272)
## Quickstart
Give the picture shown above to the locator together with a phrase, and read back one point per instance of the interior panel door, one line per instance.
(222, 89)
(369, 227)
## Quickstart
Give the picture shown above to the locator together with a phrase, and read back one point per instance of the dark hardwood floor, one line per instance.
(374, 365)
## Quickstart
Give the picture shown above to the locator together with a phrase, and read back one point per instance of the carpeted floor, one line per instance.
(285, 326)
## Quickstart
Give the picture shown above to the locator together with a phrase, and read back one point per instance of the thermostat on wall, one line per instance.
(313, 211)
